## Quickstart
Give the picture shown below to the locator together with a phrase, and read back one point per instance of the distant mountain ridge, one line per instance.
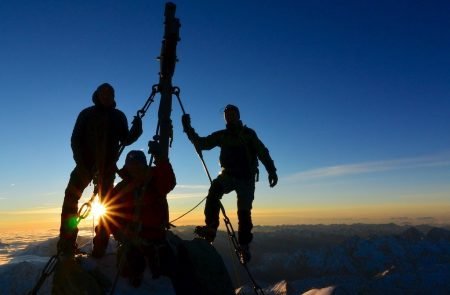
(410, 261)
(310, 259)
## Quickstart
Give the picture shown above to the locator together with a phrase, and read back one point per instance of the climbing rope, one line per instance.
(46, 272)
(49, 268)
(231, 233)
(176, 92)
(232, 236)
(189, 211)
(234, 263)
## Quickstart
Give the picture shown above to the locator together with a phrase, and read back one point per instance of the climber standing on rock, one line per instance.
(240, 150)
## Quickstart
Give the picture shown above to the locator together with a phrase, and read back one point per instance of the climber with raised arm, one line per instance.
(139, 214)
(240, 150)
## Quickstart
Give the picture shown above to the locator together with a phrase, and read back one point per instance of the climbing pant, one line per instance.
(245, 190)
(101, 239)
(79, 180)
(245, 227)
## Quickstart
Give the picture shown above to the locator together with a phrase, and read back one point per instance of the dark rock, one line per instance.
(438, 234)
(200, 269)
(412, 234)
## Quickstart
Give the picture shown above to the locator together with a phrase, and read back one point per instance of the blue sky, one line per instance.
(350, 97)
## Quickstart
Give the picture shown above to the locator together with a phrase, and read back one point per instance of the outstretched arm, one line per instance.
(200, 143)
(264, 156)
(135, 131)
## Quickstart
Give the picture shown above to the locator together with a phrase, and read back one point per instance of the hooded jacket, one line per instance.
(98, 133)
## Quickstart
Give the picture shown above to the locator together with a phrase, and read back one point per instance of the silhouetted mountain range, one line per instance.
(303, 259)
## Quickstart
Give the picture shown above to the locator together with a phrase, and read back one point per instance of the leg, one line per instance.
(106, 182)
(134, 265)
(160, 257)
(102, 230)
(79, 180)
(221, 185)
(101, 239)
(212, 206)
(245, 195)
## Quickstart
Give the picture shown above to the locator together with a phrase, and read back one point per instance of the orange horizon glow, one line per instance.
(41, 219)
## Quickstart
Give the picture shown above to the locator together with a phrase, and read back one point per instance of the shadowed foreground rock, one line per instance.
(197, 269)
(200, 269)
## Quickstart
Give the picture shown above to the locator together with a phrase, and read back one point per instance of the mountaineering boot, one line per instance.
(67, 244)
(244, 254)
(100, 242)
(206, 232)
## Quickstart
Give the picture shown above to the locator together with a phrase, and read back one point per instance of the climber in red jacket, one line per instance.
(138, 213)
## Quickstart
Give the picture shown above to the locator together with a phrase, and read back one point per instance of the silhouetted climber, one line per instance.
(99, 132)
(139, 215)
(240, 149)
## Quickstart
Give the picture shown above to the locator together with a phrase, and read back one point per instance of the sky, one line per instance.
(350, 97)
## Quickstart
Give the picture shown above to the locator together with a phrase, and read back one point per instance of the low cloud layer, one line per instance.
(371, 167)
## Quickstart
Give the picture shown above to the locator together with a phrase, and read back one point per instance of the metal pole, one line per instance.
(167, 58)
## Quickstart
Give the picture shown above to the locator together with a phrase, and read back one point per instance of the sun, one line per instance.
(98, 209)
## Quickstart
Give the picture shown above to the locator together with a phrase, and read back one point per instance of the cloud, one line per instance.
(426, 218)
(400, 218)
(371, 167)
(49, 194)
(39, 210)
(185, 196)
(192, 186)
(188, 191)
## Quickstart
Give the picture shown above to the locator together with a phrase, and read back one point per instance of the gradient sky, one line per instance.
(352, 98)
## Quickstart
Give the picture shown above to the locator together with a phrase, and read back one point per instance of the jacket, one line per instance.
(240, 149)
(134, 203)
(98, 134)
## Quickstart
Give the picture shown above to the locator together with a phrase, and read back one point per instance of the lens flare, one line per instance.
(98, 209)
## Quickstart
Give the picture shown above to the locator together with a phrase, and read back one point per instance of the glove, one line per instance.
(137, 123)
(186, 121)
(273, 179)
(154, 148)
(136, 127)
